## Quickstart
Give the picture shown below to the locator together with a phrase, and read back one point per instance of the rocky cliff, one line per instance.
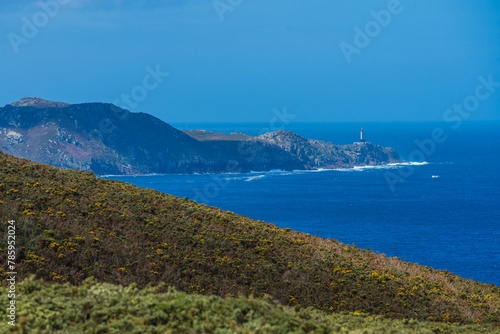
(319, 154)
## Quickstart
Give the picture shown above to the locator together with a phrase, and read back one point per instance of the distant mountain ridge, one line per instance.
(101, 137)
(110, 140)
(37, 102)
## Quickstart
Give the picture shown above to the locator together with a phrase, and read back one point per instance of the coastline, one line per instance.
(296, 171)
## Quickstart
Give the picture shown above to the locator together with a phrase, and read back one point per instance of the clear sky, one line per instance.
(237, 60)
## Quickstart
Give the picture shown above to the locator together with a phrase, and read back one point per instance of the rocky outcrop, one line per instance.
(37, 102)
(319, 154)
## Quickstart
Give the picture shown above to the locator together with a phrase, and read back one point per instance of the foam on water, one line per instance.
(253, 178)
(279, 171)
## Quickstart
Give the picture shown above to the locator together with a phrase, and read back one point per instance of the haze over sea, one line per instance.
(446, 214)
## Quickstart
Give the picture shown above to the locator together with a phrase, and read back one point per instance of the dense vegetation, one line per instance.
(72, 225)
(96, 307)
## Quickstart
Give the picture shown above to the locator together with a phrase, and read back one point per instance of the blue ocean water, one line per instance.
(443, 211)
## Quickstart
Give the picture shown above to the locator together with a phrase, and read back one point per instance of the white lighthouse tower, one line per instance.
(362, 138)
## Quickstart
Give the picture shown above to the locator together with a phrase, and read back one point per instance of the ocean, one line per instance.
(442, 210)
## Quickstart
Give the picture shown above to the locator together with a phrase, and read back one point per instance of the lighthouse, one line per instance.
(362, 139)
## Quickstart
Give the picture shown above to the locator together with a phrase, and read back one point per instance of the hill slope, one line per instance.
(100, 137)
(72, 225)
(63, 308)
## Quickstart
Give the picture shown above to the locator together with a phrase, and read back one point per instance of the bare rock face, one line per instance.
(319, 154)
(36, 102)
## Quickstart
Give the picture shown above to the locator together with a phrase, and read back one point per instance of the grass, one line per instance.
(96, 307)
(72, 226)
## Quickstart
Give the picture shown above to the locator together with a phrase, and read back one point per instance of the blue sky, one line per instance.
(237, 60)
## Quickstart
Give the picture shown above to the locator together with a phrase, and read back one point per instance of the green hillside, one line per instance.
(72, 225)
(96, 307)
